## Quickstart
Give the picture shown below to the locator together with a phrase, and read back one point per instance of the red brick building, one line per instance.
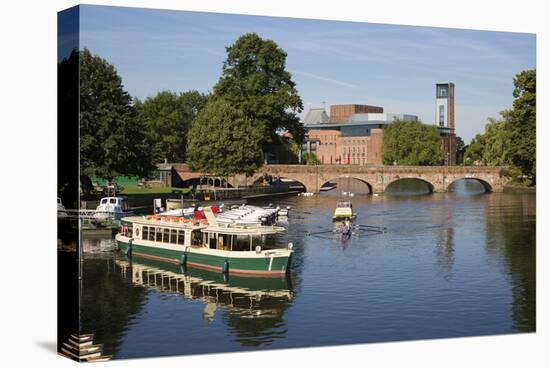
(353, 133)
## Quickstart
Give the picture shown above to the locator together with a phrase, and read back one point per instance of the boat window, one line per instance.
(103, 201)
(145, 233)
(166, 237)
(212, 241)
(159, 234)
(196, 238)
(173, 235)
(181, 237)
(112, 201)
(151, 233)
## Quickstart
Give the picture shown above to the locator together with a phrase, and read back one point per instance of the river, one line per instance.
(447, 265)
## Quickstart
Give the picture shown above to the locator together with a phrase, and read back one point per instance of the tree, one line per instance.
(113, 141)
(411, 143)
(511, 141)
(473, 153)
(254, 80)
(310, 159)
(168, 117)
(459, 150)
(521, 122)
(224, 141)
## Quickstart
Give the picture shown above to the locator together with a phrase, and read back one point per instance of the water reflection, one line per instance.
(512, 238)
(408, 187)
(345, 185)
(252, 307)
(454, 264)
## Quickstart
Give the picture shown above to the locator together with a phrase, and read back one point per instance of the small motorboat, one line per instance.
(112, 208)
(344, 210)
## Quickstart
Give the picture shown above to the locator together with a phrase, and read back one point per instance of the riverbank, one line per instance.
(518, 189)
(153, 190)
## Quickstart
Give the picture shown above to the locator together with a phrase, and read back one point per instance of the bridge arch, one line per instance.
(369, 185)
(486, 185)
(430, 185)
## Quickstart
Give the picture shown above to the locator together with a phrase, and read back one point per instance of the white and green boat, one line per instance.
(242, 250)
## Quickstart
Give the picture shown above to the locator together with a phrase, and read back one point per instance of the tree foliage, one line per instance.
(254, 80)
(113, 141)
(411, 143)
(224, 141)
(168, 117)
(310, 159)
(511, 140)
(490, 148)
(521, 122)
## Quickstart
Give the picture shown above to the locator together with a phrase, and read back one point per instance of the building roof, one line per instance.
(316, 116)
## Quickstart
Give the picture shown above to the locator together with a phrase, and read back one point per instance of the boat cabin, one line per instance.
(113, 203)
(197, 234)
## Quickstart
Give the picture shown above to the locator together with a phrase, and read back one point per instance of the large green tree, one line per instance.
(224, 141)
(521, 122)
(168, 117)
(511, 140)
(411, 143)
(113, 141)
(255, 80)
(492, 147)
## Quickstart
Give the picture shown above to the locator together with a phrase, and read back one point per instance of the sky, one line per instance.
(331, 62)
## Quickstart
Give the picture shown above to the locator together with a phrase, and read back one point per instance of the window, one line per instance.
(173, 235)
(145, 233)
(441, 115)
(158, 234)
(181, 237)
(442, 91)
(166, 237)
(151, 233)
(112, 201)
(137, 232)
(195, 238)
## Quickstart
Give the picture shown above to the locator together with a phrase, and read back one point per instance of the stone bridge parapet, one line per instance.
(378, 178)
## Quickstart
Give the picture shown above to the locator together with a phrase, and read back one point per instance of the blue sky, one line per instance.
(333, 62)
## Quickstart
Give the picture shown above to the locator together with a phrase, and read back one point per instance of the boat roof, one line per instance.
(236, 229)
(164, 222)
(243, 229)
(343, 204)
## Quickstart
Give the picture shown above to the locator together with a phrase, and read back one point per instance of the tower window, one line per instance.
(441, 115)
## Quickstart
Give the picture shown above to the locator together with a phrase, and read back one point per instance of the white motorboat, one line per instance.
(112, 208)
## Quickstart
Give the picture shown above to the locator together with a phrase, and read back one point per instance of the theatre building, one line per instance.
(353, 133)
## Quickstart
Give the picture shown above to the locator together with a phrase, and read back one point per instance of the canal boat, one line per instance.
(344, 210)
(236, 249)
(112, 208)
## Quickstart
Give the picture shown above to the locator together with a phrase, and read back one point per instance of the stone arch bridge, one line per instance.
(378, 178)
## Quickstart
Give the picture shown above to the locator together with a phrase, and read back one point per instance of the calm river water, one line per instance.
(448, 265)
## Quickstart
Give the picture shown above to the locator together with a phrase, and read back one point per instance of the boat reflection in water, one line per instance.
(245, 297)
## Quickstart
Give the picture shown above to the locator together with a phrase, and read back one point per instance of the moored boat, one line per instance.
(344, 210)
(242, 250)
(112, 208)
